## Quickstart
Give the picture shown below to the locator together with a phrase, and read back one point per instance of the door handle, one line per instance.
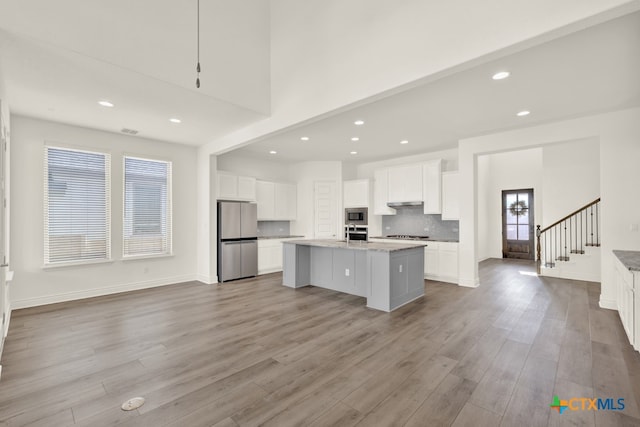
(4, 265)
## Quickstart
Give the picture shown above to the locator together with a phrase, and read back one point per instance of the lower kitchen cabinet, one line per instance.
(441, 261)
(628, 300)
(270, 255)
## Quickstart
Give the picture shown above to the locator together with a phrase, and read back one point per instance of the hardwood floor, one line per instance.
(253, 352)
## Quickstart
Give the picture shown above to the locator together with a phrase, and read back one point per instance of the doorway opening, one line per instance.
(518, 237)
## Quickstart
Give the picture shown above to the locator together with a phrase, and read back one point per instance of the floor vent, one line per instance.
(132, 404)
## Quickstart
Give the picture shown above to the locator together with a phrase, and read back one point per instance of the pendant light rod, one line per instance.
(198, 46)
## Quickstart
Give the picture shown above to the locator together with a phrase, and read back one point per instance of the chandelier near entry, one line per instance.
(198, 47)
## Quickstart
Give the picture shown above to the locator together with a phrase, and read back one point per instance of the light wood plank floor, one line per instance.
(253, 353)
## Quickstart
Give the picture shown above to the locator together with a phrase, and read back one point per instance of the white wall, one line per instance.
(263, 169)
(5, 300)
(618, 134)
(305, 174)
(513, 170)
(34, 285)
(449, 162)
(571, 177)
(363, 48)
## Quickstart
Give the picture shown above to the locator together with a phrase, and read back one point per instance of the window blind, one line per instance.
(77, 206)
(147, 207)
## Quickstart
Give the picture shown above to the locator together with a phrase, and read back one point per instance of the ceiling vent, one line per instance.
(129, 131)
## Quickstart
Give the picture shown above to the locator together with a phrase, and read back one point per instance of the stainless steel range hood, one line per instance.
(402, 204)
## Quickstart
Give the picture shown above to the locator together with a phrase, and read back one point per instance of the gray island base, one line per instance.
(389, 275)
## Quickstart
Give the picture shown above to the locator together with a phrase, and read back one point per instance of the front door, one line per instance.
(518, 237)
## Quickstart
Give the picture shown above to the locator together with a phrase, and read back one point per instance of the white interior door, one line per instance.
(324, 212)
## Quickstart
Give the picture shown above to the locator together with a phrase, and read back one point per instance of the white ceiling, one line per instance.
(59, 58)
(590, 71)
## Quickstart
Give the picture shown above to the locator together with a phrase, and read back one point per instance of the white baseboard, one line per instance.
(207, 280)
(608, 304)
(469, 283)
(453, 280)
(7, 321)
(89, 293)
(269, 271)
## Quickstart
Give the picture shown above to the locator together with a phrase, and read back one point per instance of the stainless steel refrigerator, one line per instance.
(237, 240)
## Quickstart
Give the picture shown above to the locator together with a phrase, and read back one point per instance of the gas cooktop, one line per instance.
(406, 237)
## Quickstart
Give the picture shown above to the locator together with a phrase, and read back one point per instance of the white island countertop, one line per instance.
(359, 244)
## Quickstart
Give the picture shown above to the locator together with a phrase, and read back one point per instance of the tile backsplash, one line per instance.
(411, 221)
(273, 228)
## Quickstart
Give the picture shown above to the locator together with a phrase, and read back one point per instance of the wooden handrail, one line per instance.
(570, 215)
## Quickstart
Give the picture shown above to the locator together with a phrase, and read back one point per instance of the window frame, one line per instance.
(46, 195)
(167, 214)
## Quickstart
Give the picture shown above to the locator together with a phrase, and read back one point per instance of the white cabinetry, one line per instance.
(285, 201)
(431, 186)
(270, 255)
(405, 183)
(266, 199)
(450, 196)
(356, 193)
(628, 301)
(420, 182)
(236, 187)
(447, 262)
(276, 201)
(381, 193)
(441, 261)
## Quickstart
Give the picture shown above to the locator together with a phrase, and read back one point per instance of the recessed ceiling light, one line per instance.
(501, 75)
(523, 113)
(404, 141)
(174, 120)
(105, 103)
(273, 152)
(354, 152)
(305, 138)
(355, 138)
(358, 122)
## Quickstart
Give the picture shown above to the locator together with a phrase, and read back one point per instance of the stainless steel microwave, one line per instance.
(356, 216)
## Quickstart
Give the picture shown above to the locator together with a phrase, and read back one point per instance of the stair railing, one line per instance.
(569, 235)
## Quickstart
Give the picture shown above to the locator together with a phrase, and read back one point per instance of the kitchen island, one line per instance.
(389, 275)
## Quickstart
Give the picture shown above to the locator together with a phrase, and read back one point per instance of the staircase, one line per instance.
(570, 248)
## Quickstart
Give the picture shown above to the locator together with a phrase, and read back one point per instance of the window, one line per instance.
(77, 206)
(147, 207)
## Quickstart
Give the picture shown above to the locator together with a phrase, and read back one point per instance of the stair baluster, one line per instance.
(558, 244)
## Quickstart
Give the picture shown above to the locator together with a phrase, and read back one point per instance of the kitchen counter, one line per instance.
(630, 259)
(279, 237)
(359, 245)
(422, 239)
(388, 275)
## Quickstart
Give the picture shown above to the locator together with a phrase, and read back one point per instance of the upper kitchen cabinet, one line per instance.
(431, 186)
(276, 201)
(381, 193)
(356, 193)
(450, 196)
(286, 201)
(236, 187)
(266, 199)
(405, 184)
